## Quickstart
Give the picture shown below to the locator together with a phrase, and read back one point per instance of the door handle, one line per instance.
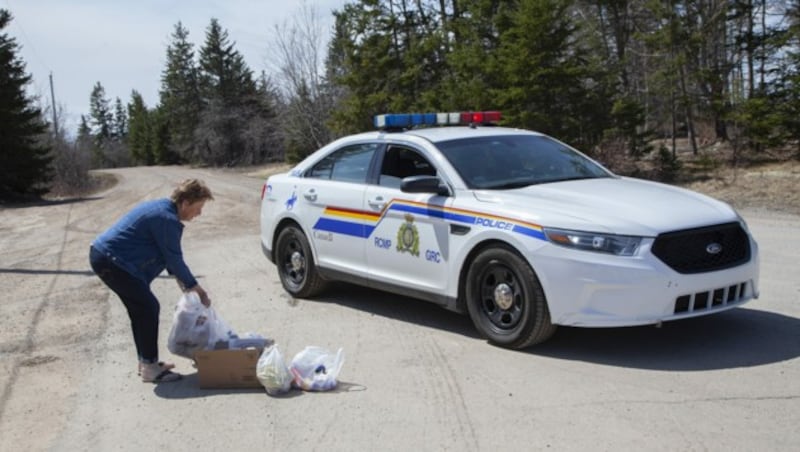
(377, 203)
(310, 194)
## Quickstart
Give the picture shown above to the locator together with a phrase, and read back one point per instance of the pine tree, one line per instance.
(84, 139)
(24, 159)
(230, 102)
(119, 125)
(159, 138)
(367, 65)
(476, 27)
(180, 99)
(101, 123)
(224, 75)
(545, 75)
(100, 112)
(140, 141)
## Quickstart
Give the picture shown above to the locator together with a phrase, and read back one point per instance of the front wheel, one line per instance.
(296, 267)
(505, 300)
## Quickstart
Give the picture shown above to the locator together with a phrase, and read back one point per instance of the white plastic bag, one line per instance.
(272, 372)
(316, 369)
(195, 327)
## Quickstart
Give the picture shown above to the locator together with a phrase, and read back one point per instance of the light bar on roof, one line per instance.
(409, 120)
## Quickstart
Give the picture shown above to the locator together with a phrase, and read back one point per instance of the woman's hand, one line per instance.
(202, 294)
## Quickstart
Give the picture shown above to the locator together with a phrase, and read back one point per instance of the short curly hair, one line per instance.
(191, 190)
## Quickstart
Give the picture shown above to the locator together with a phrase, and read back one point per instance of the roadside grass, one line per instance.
(767, 182)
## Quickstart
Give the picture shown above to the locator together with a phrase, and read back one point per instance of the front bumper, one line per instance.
(594, 290)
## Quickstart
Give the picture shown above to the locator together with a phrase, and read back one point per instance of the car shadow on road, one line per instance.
(740, 337)
(398, 307)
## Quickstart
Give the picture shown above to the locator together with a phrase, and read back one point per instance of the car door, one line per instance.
(409, 246)
(332, 195)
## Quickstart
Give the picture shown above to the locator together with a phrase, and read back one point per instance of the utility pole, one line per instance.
(53, 103)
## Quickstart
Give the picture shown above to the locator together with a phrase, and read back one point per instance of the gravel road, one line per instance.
(415, 377)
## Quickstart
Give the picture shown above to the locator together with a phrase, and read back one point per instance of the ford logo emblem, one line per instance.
(714, 248)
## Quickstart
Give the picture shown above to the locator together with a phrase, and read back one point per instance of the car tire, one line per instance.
(295, 263)
(505, 300)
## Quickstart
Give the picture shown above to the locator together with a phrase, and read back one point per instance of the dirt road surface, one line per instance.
(415, 377)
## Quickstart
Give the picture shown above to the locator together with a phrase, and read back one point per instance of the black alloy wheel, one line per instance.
(296, 267)
(505, 300)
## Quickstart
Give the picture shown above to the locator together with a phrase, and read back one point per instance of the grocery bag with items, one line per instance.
(272, 371)
(198, 327)
(316, 369)
(312, 369)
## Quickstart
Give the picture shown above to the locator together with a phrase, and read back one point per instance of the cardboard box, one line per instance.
(222, 369)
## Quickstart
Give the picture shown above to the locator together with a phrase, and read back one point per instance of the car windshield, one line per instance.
(514, 161)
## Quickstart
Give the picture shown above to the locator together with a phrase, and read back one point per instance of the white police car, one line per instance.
(513, 227)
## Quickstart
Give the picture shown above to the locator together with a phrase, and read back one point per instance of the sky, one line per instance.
(123, 43)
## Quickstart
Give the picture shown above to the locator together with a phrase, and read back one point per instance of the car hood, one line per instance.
(617, 205)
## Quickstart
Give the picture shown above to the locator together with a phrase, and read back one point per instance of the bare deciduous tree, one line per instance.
(71, 160)
(297, 59)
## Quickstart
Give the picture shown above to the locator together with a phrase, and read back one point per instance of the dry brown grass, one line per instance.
(757, 180)
(262, 172)
(772, 186)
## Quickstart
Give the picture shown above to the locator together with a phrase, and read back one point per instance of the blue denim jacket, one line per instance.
(147, 240)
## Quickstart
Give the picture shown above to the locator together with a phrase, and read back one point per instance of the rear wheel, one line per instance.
(296, 267)
(505, 300)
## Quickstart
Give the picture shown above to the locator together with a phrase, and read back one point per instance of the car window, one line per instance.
(400, 162)
(514, 161)
(349, 164)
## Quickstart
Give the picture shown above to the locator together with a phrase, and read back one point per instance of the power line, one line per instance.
(17, 23)
(31, 50)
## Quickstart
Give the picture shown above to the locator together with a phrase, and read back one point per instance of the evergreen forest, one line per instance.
(641, 85)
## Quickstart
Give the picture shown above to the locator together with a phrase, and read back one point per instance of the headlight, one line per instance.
(620, 245)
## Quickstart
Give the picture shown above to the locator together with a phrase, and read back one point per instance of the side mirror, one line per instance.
(424, 184)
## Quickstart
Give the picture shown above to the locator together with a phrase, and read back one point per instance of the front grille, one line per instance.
(711, 299)
(703, 249)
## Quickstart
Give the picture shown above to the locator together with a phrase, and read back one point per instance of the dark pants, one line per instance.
(143, 307)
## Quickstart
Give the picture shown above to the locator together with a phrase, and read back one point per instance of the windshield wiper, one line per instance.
(565, 179)
(512, 185)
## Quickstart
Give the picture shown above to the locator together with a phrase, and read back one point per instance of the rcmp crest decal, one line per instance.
(408, 237)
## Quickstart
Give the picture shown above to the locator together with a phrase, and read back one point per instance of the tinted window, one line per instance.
(515, 161)
(349, 164)
(400, 162)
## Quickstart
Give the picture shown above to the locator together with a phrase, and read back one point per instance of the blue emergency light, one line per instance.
(411, 120)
